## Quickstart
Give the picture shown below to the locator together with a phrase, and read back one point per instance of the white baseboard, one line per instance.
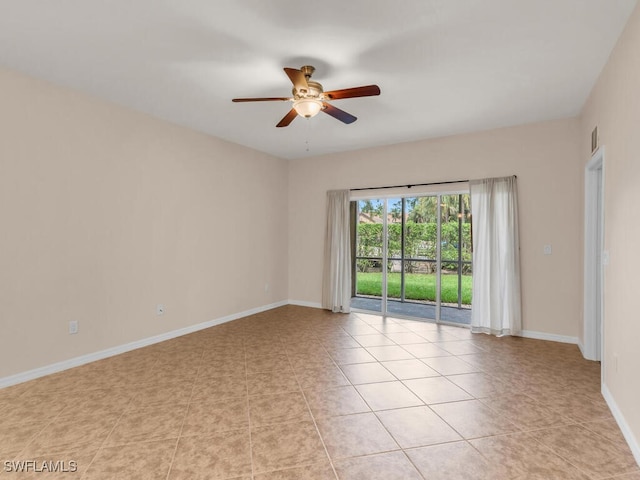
(301, 303)
(110, 352)
(622, 423)
(552, 337)
(581, 347)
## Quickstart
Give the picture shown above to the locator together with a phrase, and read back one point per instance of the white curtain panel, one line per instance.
(497, 307)
(336, 284)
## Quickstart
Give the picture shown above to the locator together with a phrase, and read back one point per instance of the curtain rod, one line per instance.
(408, 186)
(411, 185)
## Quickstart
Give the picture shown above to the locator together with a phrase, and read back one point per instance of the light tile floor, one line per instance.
(298, 393)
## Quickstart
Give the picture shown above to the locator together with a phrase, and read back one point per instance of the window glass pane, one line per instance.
(421, 228)
(394, 225)
(369, 238)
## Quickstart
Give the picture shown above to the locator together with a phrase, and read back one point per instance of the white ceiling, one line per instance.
(444, 66)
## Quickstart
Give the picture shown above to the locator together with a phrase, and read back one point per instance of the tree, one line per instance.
(395, 211)
(422, 209)
(366, 206)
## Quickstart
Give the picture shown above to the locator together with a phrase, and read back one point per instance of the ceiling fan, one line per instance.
(309, 98)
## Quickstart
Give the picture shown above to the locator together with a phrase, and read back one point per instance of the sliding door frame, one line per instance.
(385, 255)
(384, 198)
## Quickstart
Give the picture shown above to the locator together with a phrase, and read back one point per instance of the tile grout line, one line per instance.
(102, 445)
(553, 452)
(401, 449)
(465, 440)
(35, 435)
(186, 414)
(246, 388)
(313, 418)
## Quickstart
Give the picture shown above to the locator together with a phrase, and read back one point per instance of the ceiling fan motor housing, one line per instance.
(307, 71)
(314, 90)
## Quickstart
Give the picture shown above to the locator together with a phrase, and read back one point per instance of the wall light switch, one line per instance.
(73, 327)
(547, 249)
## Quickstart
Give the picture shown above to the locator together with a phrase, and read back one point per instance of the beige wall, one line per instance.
(105, 212)
(544, 156)
(614, 106)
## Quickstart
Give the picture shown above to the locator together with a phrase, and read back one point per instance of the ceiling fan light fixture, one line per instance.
(307, 107)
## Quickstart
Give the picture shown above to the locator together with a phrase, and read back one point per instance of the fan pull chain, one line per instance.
(308, 128)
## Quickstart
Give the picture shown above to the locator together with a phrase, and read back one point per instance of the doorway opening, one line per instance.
(412, 257)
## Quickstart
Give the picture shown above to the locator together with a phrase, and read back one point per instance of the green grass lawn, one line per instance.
(418, 286)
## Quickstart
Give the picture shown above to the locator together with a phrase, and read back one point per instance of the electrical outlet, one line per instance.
(547, 249)
(73, 327)
(266, 287)
(160, 309)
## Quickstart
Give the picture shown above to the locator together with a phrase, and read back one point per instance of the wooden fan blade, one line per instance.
(337, 113)
(266, 99)
(366, 91)
(298, 79)
(288, 118)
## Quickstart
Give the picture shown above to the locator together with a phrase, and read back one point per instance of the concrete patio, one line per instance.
(449, 314)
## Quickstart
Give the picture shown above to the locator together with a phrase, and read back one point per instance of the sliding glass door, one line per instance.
(455, 268)
(370, 246)
(413, 257)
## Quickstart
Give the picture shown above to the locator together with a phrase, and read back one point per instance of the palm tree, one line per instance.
(422, 209)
